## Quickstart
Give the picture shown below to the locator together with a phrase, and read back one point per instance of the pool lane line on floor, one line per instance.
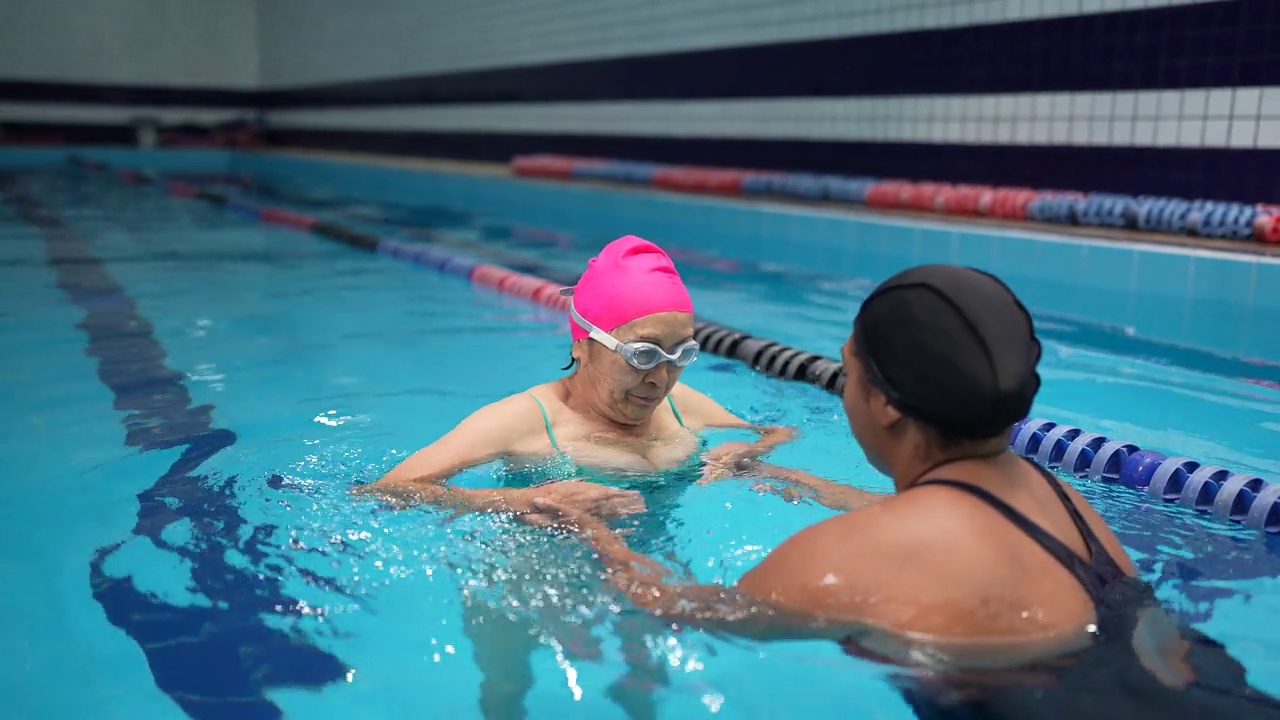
(195, 653)
(1225, 495)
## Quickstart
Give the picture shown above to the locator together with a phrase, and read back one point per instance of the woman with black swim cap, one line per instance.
(1026, 601)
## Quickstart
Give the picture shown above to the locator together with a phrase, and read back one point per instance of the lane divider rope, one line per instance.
(1218, 492)
(1149, 213)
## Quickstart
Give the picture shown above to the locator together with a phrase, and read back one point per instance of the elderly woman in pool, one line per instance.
(620, 414)
(622, 409)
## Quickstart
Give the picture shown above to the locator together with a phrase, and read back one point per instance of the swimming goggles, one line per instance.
(639, 354)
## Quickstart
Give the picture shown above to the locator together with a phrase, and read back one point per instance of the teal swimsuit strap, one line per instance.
(547, 420)
(672, 403)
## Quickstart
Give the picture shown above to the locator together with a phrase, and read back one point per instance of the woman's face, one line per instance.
(628, 394)
(866, 410)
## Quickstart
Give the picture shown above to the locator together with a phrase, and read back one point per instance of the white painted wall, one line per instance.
(174, 43)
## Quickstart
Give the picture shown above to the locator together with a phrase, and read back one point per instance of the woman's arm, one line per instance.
(701, 412)
(834, 495)
(708, 606)
(493, 431)
(485, 435)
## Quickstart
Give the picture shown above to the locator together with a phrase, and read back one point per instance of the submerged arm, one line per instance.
(707, 606)
(769, 437)
(834, 495)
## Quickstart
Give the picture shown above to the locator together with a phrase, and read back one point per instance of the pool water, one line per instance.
(193, 395)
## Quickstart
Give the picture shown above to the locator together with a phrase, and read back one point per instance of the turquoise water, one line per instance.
(246, 582)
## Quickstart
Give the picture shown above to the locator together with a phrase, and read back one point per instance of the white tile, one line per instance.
(988, 106)
(1126, 104)
(1269, 134)
(1100, 131)
(944, 109)
(1248, 101)
(1061, 105)
(916, 18)
(1081, 105)
(1103, 105)
(1191, 133)
(1091, 6)
(1148, 107)
(1043, 105)
(1271, 102)
(1032, 8)
(1022, 132)
(1040, 132)
(1170, 104)
(1144, 133)
(953, 131)
(1219, 103)
(1216, 132)
(1122, 132)
(1060, 132)
(1024, 106)
(978, 13)
(1167, 131)
(1004, 106)
(1079, 133)
(1243, 133)
(972, 107)
(1195, 103)
(987, 132)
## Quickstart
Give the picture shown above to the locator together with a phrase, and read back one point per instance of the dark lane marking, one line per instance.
(215, 662)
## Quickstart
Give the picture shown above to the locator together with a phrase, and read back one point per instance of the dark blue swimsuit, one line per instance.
(1106, 679)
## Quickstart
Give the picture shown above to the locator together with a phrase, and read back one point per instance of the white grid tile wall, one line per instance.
(167, 43)
(321, 41)
(1214, 117)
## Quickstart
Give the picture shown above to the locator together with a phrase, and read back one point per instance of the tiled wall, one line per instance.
(1201, 117)
(167, 43)
(1173, 97)
(84, 70)
(408, 37)
(1142, 96)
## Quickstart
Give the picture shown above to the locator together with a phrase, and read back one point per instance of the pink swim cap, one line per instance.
(629, 279)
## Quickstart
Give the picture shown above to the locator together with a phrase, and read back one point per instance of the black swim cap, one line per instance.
(951, 347)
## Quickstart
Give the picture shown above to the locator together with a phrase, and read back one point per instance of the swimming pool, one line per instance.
(208, 561)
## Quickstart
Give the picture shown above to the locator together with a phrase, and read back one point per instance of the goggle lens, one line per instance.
(647, 356)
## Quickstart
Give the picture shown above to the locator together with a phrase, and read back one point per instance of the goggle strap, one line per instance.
(593, 332)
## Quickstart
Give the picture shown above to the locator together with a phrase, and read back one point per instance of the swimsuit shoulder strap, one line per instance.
(1094, 574)
(672, 403)
(1097, 551)
(546, 419)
